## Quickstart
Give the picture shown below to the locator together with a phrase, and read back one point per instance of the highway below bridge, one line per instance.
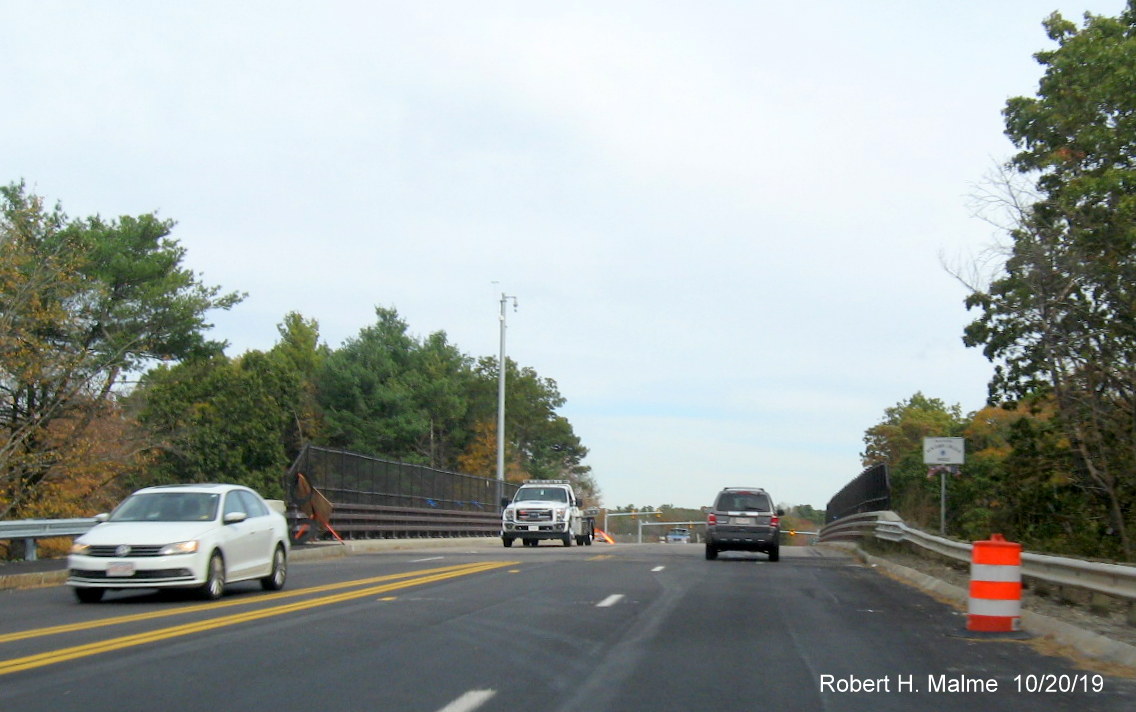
(474, 626)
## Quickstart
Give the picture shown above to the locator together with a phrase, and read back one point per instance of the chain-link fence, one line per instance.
(870, 491)
(351, 478)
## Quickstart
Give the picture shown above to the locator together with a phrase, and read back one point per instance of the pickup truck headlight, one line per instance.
(510, 515)
(561, 515)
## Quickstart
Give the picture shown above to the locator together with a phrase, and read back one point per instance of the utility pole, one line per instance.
(501, 402)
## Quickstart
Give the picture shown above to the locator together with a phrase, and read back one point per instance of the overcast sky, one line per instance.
(724, 222)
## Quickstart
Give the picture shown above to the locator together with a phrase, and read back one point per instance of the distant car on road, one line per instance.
(743, 519)
(202, 536)
(678, 535)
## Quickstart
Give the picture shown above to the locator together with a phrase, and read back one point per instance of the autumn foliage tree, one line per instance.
(82, 302)
(480, 456)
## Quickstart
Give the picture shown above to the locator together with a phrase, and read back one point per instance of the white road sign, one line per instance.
(944, 451)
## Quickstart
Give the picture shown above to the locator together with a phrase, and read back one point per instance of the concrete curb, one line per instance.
(1086, 642)
(33, 580)
(308, 552)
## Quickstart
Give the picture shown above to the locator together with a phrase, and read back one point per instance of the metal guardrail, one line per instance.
(855, 526)
(31, 529)
(1117, 580)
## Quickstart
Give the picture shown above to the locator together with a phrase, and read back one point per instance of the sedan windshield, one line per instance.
(167, 507)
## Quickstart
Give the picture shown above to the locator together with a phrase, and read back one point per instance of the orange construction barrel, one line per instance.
(995, 604)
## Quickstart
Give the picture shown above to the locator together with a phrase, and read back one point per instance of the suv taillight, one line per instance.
(775, 521)
(711, 519)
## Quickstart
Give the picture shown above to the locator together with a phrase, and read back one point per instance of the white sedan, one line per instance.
(182, 536)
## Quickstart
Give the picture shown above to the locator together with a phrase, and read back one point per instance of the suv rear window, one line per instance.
(744, 502)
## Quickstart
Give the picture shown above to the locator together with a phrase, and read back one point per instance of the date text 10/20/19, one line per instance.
(1047, 682)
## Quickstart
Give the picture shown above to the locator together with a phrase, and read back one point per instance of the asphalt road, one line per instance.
(648, 627)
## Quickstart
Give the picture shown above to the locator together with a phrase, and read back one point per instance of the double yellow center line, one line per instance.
(386, 584)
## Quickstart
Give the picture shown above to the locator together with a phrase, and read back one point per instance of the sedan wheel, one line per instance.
(214, 586)
(275, 580)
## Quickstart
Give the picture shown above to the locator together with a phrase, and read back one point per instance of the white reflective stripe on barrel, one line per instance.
(990, 572)
(992, 607)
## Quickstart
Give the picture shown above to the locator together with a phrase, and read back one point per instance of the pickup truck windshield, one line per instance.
(545, 494)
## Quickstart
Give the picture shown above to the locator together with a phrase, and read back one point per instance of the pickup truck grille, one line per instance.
(534, 515)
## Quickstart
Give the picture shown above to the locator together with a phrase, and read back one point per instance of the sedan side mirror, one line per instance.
(235, 517)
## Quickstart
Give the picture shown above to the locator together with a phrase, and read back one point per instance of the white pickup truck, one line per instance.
(546, 509)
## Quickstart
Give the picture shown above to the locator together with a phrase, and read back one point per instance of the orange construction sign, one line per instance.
(313, 504)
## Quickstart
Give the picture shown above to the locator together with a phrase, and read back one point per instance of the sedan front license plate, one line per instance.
(120, 569)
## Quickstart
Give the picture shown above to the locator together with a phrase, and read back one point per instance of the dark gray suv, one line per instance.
(743, 519)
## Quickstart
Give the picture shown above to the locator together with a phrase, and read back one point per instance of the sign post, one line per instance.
(947, 454)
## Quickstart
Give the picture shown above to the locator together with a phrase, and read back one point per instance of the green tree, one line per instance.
(365, 394)
(441, 378)
(897, 440)
(217, 420)
(1061, 319)
(543, 440)
(239, 420)
(810, 514)
(387, 393)
(299, 357)
(83, 302)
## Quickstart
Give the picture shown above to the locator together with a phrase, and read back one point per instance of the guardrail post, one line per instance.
(29, 549)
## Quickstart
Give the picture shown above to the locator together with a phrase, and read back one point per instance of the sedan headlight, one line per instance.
(80, 549)
(182, 547)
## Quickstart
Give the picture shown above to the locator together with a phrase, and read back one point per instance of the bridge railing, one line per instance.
(373, 521)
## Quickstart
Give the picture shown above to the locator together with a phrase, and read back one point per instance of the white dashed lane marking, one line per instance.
(469, 701)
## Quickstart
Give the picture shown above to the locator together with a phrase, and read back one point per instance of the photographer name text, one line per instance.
(1042, 683)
